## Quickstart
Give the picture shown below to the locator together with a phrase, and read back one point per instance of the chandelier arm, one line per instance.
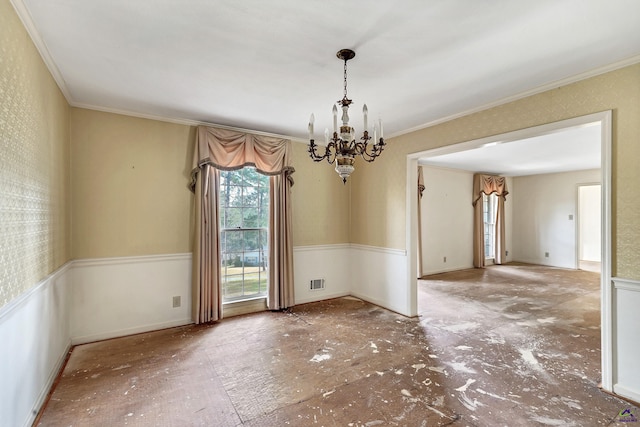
(331, 152)
(370, 155)
(314, 155)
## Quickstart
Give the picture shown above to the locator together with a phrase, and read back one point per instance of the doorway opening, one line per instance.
(602, 119)
(589, 246)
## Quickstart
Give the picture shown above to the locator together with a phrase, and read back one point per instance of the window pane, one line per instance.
(232, 218)
(233, 241)
(251, 240)
(264, 239)
(489, 213)
(251, 197)
(244, 206)
(250, 218)
(251, 177)
(233, 195)
(223, 179)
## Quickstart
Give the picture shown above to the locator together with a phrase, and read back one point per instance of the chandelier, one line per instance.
(343, 147)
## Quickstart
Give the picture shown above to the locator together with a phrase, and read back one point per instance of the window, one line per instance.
(489, 207)
(244, 223)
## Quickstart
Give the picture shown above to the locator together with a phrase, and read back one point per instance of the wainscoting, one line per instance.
(328, 262)
(35, 339)
(95, 299)
(113, 297)
(381, 277)
(626, 347)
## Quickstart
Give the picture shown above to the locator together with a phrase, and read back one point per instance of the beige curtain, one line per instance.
(488, 184)
(280, 244)
(421, 188)
(221, 149)
(206, 295)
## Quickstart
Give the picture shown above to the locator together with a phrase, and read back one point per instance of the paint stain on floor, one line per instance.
(513, 345)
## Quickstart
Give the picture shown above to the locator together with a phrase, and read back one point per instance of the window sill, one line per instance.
(245, 306)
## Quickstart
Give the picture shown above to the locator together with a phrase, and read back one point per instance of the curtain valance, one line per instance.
(488, 184)
(229, 150)
(421, 185)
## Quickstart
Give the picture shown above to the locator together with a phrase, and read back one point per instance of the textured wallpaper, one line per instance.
(320, 202)
(129, 181)
(378, 192)
(34, 156)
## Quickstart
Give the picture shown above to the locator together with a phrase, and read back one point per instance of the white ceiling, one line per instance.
(571, 149)
(266, 65)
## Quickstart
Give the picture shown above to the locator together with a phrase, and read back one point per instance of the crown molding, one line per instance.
(41, 46)
(553, 85)
(181, 121)
(27, 21)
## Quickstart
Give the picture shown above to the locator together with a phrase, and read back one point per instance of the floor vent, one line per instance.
(316, 284)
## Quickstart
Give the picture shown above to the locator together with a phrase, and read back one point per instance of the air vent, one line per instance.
(316, 284)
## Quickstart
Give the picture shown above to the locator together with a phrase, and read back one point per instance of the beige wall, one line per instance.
(130, 196)
(129, 183)
(321, 205)
(34, 170)
(379, 188)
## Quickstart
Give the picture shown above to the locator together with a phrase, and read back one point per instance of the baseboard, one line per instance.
(53, 375)
(446, 270)
(627, 392)
(322, 297)
(377, 302)
(130, 331)
(543, 263)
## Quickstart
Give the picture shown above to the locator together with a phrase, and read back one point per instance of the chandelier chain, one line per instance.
(345, 78)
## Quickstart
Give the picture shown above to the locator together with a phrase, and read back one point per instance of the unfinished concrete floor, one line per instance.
(512, 345)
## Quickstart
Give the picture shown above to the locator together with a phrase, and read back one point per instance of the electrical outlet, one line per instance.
(445, 259)
(176, 301)
(570, 217)
(546, 254)
(506, 253)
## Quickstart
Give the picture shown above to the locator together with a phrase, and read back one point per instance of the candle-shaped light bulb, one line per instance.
(375, 133)
(381, 131)
(326, 136)
(365, 113)
(335, 118)
(311, 120)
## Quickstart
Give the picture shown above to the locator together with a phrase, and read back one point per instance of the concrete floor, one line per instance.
(505, 346)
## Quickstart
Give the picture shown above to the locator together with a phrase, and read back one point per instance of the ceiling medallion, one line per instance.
(343, 147)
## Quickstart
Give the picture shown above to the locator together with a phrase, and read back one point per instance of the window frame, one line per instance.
(489, 211)
(234, 184)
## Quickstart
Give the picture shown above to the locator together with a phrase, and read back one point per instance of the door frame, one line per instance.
(579, 217)
(604, 118)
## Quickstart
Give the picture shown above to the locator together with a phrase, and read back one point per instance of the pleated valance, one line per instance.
(230, 150)
(421, 186)
(488, 184)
